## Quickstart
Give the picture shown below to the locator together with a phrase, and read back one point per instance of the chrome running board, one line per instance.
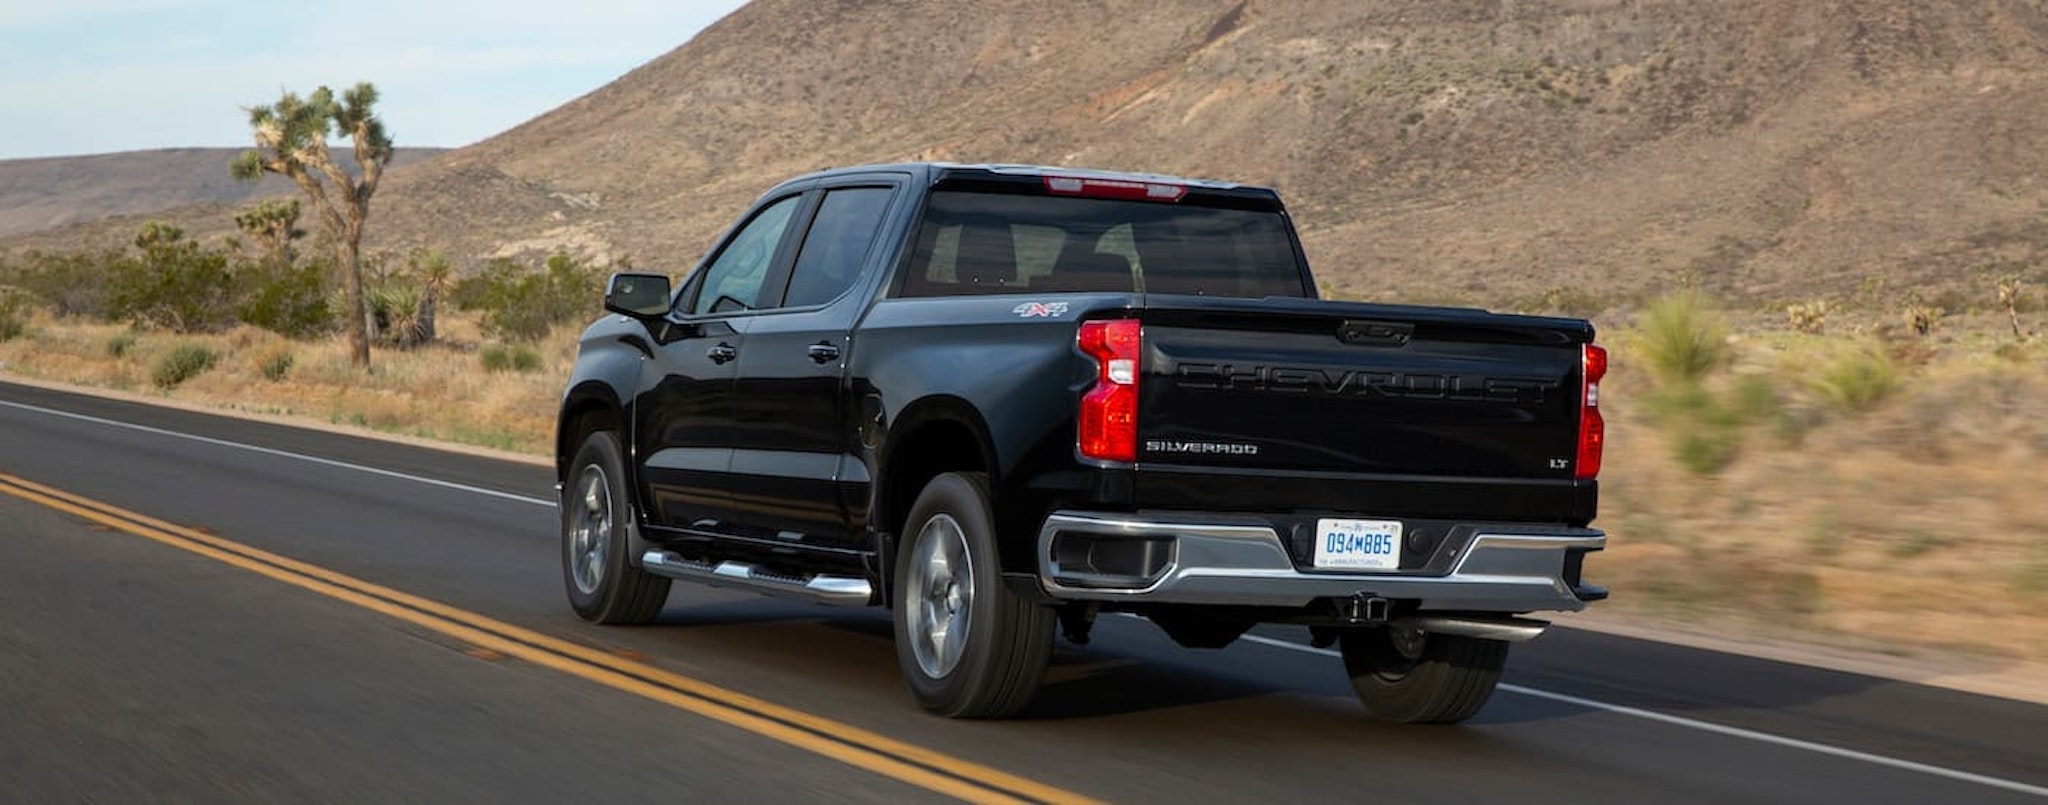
(845, 591)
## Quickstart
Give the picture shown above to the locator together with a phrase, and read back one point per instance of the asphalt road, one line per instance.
(158, 642)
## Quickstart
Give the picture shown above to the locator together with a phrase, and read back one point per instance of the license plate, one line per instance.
(1358, 544)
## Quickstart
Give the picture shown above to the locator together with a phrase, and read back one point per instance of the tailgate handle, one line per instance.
(1375, 333)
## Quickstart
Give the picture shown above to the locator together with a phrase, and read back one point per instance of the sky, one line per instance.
(94, 76)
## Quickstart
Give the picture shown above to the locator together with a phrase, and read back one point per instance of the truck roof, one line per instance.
(936, 172)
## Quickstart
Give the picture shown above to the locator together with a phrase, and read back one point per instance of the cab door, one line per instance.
(794, 474)
(686, 422)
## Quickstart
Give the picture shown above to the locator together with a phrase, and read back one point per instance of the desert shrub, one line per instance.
(120, 345)
(495, 359)
(1920, 319)
(1856, 380)
(1754, 400)
(13, 315)
(1708, 429)
(290, 300)
(525, 359)
(1682, 338)
(523, 305)
(175, 284)
(517, 358)
(1705, 450)
(181, 364)
(1706, 433)
(1808, 317)
(69, 283)
(275, 364)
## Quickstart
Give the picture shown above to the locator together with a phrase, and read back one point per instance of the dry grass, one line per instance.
(437, 392)
(1916, 520)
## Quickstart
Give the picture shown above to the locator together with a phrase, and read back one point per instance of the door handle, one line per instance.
(822, 352)
(722, 354)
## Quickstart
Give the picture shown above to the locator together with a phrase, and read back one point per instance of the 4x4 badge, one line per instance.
(1048, 310)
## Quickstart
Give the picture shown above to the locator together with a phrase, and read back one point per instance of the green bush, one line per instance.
(70, 283)
(522, 359)
(1705, 449)
(13, 315)
(496, 359)
(176, 284)
(522, 305)
(1708, 429)
(185, 362)
(290, 300)
(1682, 338)
(276, 365)
(1857, 380)
(118, 346)
(1755, 400)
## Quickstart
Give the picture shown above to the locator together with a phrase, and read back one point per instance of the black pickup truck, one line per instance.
(1000, 400)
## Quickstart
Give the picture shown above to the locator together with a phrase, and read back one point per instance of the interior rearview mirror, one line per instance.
(642, 296)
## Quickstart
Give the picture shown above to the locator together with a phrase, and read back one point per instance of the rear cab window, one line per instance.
(972, 242)
(837, 245)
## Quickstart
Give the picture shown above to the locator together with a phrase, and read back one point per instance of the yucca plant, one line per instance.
(1683, 338)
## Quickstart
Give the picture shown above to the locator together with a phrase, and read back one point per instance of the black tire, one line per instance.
(1443, 680)
(621, 592)
(1006, 640)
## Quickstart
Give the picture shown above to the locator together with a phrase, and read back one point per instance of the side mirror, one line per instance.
(641, 296)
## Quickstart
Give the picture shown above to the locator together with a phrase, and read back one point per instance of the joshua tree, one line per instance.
(2009, 289)
(274, 224)
(291, 141)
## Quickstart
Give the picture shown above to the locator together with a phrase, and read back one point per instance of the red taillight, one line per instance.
(1108, 425)
(1123, 189)
(1592, 429)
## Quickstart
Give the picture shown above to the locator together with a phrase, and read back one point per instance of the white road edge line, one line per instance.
(282, 454)
(1648, 715)
(1735, 732)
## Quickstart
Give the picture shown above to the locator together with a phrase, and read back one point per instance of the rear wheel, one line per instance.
(1414, 677)
(969, 648)
(597, 521)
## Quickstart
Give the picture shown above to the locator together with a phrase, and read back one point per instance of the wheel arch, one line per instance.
(934, 435)
(588, 407)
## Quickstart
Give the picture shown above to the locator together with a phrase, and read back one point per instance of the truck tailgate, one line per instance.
(1360, 407)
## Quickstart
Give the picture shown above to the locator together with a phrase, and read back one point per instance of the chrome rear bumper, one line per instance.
(1503, 568)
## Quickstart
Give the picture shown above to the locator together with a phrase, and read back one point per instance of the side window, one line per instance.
(733, 281)
(837, 245)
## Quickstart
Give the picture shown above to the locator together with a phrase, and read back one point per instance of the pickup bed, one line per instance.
(1001, 400)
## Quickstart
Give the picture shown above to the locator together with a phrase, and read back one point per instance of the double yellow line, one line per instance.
(852, 745)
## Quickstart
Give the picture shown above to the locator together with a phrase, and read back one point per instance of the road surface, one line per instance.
(214, 609)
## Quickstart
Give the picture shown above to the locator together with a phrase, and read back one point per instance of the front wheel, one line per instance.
(597, 521)
(968, 646)
(1414, 677)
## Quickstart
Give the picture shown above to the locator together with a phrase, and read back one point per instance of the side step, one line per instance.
(845, 591)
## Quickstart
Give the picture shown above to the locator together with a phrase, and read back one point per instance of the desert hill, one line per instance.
(1472, 149)
(42, 193)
